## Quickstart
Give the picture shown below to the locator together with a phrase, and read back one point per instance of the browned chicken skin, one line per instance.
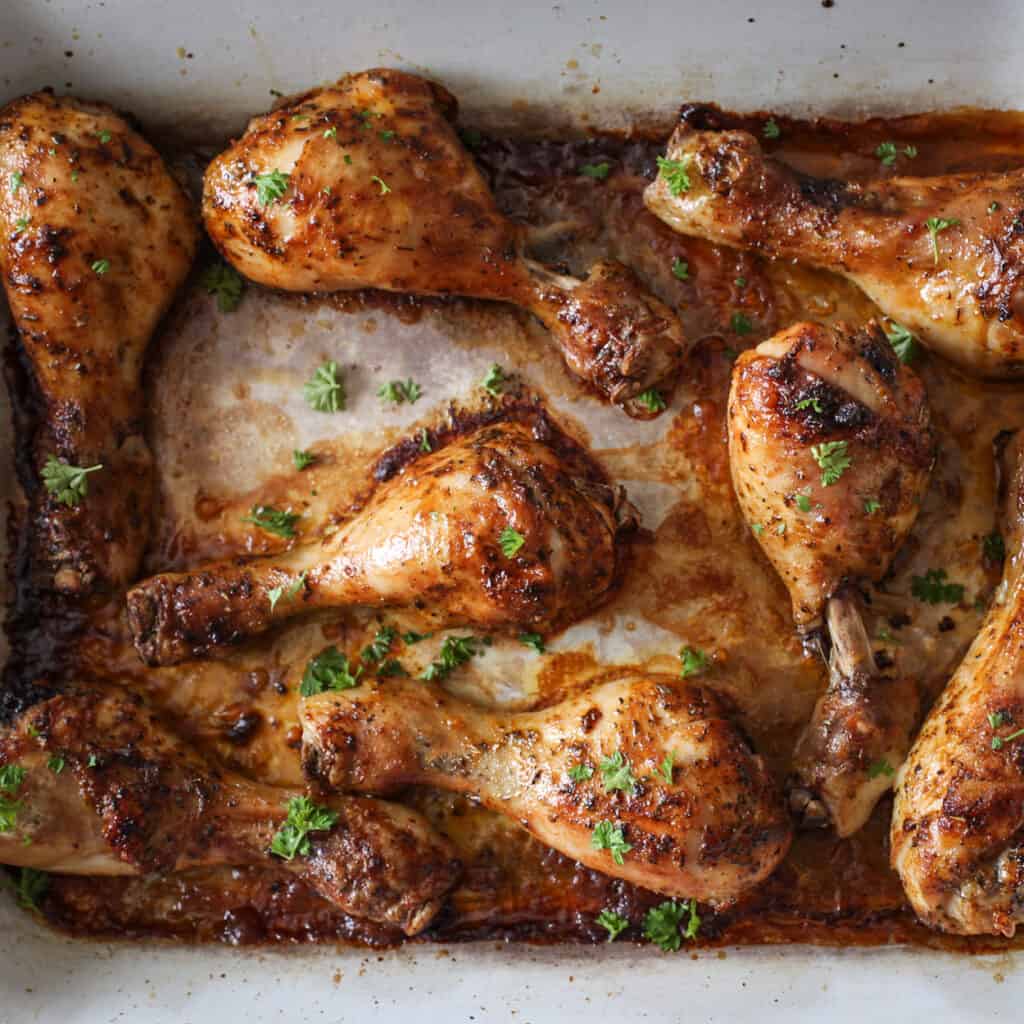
(375, 190)
(830, 449)
(706, 824)
(957, 835)
(433, 534)
(958, 283)
(97, 238)
(108, 790)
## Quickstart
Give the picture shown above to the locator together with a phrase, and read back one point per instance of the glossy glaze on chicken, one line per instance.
(447, 613)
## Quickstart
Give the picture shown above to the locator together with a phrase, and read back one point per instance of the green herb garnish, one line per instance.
(325, 390)
(455, 651)
(329, 670)
(273, 520)
(932, 588)
(676, 173)
(68, 484)
(833, 459)
(510, 541)
(270, 187)
(304, 816)
(226, 283)
(693, 661)
(607, 836)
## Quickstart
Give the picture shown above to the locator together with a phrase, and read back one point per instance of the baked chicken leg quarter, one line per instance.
(642, 778)
(94, 784)
(365, 184)
(942, 255)
(830, 449)
(97, 238)
(958, 824)
(498, 529)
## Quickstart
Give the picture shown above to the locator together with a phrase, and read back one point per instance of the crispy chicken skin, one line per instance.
(376, 191)
(961, 290)
(432, 534)
(127, 797)
(957, 835)
(830, 450)
(97, 238)
(712, 832)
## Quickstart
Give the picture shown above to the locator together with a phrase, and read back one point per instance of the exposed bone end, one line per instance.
(808, 808)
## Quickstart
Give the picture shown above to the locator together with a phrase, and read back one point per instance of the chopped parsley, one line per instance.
(30, 888)
(676, 173)
(412, 637)
(11, 778)
(597, 171)
(808, 403)
(100, 267)
(994, 547)
(226, 283)
(757, 529)
(104, 137)
(771, 130)
(693, 661)
(304, 816)
(398, 391)
(455, 651)
(615, 924)
(903, 342)
(68, 484)
(534, 640)
(617, 774)
(581, 772)
(325, 390)
(495, 381)
(425, 445)
(932, 588)
(302, 459)
(803, 502)
(276, 593)
(378, 648)
(879, 768)
(329, 670)
(270, 187)
(651, 400)
(661, 923)
(384, 187)
(17, 180)
(871, 506)
(667, 767)
(331, 133)
(607, 836)
(996, 720)
(273, 520)
(55, 764)
(385, 136)
(888, 151)
(21, 224)
(680, 269)
(833, 459)
(936, 225)
(741, 323)
(392, 667)
(510, 541)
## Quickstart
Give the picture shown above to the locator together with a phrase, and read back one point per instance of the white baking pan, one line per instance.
(204, 65)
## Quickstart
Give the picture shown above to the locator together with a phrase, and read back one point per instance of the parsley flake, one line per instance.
(661, 923)
(667, 767)
(328, 671)
(881, 767)
(581, 772)
(270, 187)
(676, 173)
(495, 381)
(273, 520)
(694, 661)
(888, 151)
(100, 267)
(378, 648)
(302, 459)
(425, 445)
(104, 137)
(771, 130)
(455, 651)
(617, 773)
(597, 171)
(607, 836)
(680, 269)
(994, 547)
(741, 323)
(833, 459)
(17, 180)
(331, 133)
(276, 593)
(21, 224)
(510, 541)
(226, 283)
(55, 764)
(932, 588)
(384, 187)
(936, 225)
(534, 640)
(871, 506)
(809, 403)
(68, 484)
(325, 390)
(903, 342)
(304, 816)
(30, 888)
(803, 502)
(11, 778)
(398, 391)
(651, 400)
(615, 924)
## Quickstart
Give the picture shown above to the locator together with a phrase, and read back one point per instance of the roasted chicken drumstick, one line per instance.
(93, 784)
(942, 255)
(497, 529)
(97, 239)
(642, 778)
(958, 823)
(365, 184)
(830, 450)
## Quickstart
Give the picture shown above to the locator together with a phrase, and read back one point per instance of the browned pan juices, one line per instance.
(695, 573)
